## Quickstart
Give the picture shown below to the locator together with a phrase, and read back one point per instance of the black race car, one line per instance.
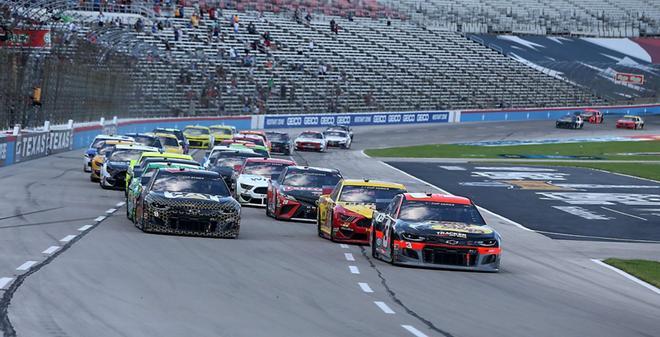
(294, 194)
(570, 122)
(188, 202)
(280, 142)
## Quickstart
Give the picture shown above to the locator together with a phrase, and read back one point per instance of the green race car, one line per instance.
(141, 178)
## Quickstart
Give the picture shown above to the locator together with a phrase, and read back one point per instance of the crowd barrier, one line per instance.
(27, 145)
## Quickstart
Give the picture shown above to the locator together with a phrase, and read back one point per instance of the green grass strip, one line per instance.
(648, 271)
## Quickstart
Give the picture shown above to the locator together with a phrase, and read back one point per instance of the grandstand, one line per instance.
(384, 56)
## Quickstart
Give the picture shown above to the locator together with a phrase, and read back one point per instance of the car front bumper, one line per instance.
(447, 257)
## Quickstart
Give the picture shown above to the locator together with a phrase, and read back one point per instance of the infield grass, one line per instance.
(648, 271)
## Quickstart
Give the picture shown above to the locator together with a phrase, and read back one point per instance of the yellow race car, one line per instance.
(222, 132)
(345, 214)
(146, 155)
(199, 137)
(97, 162)
(169, 143)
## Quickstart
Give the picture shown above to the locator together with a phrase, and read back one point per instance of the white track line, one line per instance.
(119, 204)
(413, 331)
(84, 228)
(622, 213)
(343, 245)
(5, 281)
(354, 269)
(349, 257)
(51, 250)
(26, 266)
(99, 219)
(628, 276)
(365, 287)
(110, 211)
(386, 309)
(67, 238)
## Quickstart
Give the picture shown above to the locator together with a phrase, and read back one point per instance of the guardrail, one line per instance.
(21, 146)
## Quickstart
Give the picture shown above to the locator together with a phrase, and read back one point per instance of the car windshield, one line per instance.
(264, 169)
(147, 140)
(418, 211)
(311, 179)
(98, 143)
(144, 179)
(106, 150)
(255, 140)
(629, 118)
(221, 131)
(335, 134)
(277, 137)
(125, 155)
(229, 162)
(312, 135)
(169, 141)
(191, 184)
(380, 196)
(196, 132)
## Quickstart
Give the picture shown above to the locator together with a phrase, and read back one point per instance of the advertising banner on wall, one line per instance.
(637, 79)
(3, 150)
(292, 121)
(60, 141)
(27, 38)
(30, 146)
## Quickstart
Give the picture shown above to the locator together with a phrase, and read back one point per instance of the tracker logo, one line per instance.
(294, 121)
(311, 120)
(327, 120)
(452, 234)
(380, 119)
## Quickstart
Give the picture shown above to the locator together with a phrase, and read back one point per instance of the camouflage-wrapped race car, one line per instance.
(188, 202)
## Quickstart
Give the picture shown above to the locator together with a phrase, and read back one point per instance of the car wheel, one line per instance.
(318, 225)
(332, 235)
(641, 126)
(374, 253)
(128, 214)
(268, 212)
(390, 258)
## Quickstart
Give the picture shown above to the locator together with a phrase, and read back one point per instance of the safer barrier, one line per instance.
(389, 118)
(551, 113)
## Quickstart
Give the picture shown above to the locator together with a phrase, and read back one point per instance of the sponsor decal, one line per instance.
(187, 195)
(452, 234)
(291, 188)
(327, 120)
(515, 168)
(380, 119)
(292, 121)
(484, 184)
(584, 198)
(421, 118)
(409, 118)
(362, 119)
(311, 120)
(637, 79)
(454, 227)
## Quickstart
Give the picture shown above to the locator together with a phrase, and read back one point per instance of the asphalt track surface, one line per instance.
(280, 279)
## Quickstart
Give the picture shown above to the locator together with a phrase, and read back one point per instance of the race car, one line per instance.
(294, 194)
(570, 122)
(199, 137)
(146, 139)
(97, 162)
(437, 231)
(592, 116)
(630, 122)
(280, 142)
(228, 163)
(345, 214)
(338, 138)
(255, 139)
(146, 155)
(311, 140)
(142, 177)
(222, 132)
(341, 127)
(211, 156)
(113, 171)
(188, 202)
(169, 143)
(95, 146)
(252, 180)
(261, 134)
(178, 134)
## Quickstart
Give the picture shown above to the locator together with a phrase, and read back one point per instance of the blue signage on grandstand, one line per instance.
(292, 121)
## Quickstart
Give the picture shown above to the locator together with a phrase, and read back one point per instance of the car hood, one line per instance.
(364, 209)
(336, 138)
(449, 229)
(254, 180)
(309, 140)
(307, 194)
(186, 199)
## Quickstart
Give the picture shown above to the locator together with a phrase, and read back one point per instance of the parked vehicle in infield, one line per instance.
(188, 202)
(252, 179)
(98, 160)
(570, 122)
(169, 143)
(436, 231)
(592, 116)
(311, 140)
(115, 165)
(229, 162)
(222, 132)
(345, 214)
(199, 137)
(142, 177)
(630, 122)
(261, 134)
(95, 146)
(158, 155)
(280, 142)
(294, 194)
(146, 139)
(337, 138)
(341, 127)
(179, 136)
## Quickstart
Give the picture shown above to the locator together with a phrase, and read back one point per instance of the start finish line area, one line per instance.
(560, 202)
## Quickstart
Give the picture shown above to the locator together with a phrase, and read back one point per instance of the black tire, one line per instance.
(390, 259)
(318, 225)
(329, 218)
(268, 212)
(128, 215)
(374, 253)
(641, 126)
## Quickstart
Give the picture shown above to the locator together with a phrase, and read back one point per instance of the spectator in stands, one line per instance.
(283, 90)
(194, 20)
(311, 45)
(100, 19)
(333, 24)
(160, 25)
(296, 16)
(308, 18)
(216, 31)
(251, 28)
(236, 25)
(154, 28)
(292, 93)
(139, 25)
(177, 34)
(350, 16)
(212, 13)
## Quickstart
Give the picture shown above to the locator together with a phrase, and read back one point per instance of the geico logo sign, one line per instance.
(393, 118)
(3, 151)
(380, 118)
(326, 120)
(440, 116)
(362, 119)
(59, 140)
(31, 145)
(423, 117)
(275, 121)
(311, 120)
(343, 119)
(408, 118)
(294, 121)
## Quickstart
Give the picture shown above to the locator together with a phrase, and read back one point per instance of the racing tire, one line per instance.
(102, 184)
(332, 235)
(347, 146)
(641, 126)
(390, 259)
(318, 225)
(85, 167)
(374, 253)
(128, 215)
(268, 212)
(635, 127)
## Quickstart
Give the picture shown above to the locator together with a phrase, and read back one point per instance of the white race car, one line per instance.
(338, 138)
(252, 180)
(311, 140)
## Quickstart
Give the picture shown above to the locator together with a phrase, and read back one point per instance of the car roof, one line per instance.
(166, 155)
(270, 160)
(313, 169)
(196, 127)
(437, 197)
(118, 141)
(166, 135)
(630, 116)
(310, 131)
(136, 147)
(167, 129)
(372, 183)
